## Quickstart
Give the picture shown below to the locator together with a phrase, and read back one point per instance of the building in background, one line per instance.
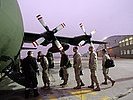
(118, 46)
(126, 47)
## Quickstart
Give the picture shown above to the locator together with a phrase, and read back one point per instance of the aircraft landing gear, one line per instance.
(9, 71)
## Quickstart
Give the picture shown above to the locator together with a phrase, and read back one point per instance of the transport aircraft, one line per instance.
(12, 37)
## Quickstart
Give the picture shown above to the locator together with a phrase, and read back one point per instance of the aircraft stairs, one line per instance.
(9, 71)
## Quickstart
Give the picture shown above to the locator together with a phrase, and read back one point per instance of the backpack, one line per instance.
(109, 63)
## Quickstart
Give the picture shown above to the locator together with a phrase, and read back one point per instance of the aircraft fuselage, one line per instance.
(11, 30)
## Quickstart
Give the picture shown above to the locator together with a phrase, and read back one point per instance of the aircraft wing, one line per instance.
(99, 42)
(27, 48)
(77, 40)
(31, 37)
(64, 40)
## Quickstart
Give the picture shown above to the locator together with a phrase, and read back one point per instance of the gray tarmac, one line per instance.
(122, 73)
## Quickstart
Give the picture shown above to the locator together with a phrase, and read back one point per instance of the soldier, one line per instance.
(39, 56)
(50, 58)
(106, 70)
(44, 64)
(93, 67)
(77, 67)
(29, 68)
(63, 64)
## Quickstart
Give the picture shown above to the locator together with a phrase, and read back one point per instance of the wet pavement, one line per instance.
(122, 73)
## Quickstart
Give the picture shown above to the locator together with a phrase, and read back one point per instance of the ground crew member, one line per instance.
(63, 65)
(77, 67)
(93, 67)
(106, 70)
(30, 68)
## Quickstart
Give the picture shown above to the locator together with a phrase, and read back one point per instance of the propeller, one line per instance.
(83, 28)
(49, 34)
(59, 46)
(83, 42)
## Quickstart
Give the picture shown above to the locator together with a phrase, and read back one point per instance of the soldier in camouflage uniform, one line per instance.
(63, 64)
(93, 67)
(77, 67)
(106, 70)
(44, 65)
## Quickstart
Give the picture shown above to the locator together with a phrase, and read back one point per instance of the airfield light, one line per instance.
(126, 39)
(130, 38)
(123, 41)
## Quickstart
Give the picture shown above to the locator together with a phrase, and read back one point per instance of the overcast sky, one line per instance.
(108, 17)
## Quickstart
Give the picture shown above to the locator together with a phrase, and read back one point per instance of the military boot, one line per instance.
(35, 92)
(27, 93)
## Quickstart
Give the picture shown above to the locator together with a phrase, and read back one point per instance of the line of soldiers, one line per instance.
(77, 65)
(30, 68)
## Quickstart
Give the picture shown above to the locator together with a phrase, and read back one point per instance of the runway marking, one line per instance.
(52, 97)
(82, 93)
(78, 94)
(105, 98)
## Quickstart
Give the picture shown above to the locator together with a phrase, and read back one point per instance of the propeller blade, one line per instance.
(57, 43)
(93, 32)
(38, 41)
(82, 27)
(58, 28)
(39, 17)
(91, 44)
(81, 43)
